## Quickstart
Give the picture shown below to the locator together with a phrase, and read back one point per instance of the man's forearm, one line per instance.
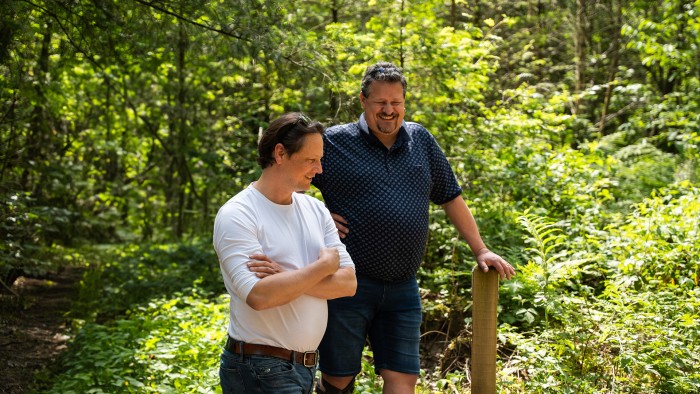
(463, 220)
(342, 283)
(284, 287)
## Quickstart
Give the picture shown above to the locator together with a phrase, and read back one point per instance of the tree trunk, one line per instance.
(580, 51)
(181, 133)
(332, 98)
(402, 25)
(616, 21)
(38, 137)
(176, 176)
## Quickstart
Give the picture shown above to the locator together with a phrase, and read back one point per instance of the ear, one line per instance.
(362, 100)
(279, 153)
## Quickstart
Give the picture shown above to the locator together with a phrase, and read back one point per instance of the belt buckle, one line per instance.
(310, 359)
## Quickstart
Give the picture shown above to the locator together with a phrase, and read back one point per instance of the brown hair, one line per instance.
(288, 130)
(384, 72)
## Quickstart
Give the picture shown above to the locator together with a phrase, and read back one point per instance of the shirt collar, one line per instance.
(401, 138)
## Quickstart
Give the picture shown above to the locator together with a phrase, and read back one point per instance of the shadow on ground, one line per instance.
(33, 327)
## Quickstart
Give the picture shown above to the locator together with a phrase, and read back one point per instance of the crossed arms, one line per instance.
(324, 278)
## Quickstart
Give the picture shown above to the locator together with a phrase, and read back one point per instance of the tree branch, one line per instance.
(190, 21)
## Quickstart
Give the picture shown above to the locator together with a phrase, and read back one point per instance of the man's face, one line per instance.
(305, 163)
(384, 108)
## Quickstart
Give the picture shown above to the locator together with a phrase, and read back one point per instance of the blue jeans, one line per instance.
(388, 313)
(264, 375)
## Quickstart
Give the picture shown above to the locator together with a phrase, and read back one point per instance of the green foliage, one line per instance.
(641, 169)
(627, 342)
(625, 335)
(552, 278)
(148, 319)
(659, 245)
(166, 345)
(132, 276)
(29, 233)
(368, 381)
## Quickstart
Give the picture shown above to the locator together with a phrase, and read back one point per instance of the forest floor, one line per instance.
(34, 327)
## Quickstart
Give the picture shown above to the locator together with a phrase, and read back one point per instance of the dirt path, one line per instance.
(33, 327)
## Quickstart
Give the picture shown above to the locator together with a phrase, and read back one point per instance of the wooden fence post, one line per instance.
(484, 329)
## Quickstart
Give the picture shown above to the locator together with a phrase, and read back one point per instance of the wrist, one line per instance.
(481, 251)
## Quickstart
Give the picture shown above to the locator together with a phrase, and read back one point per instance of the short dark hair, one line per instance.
(288, 130)
(384, 72)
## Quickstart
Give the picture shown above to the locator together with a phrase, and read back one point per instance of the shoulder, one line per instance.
(417, 130)
(242, 201)
(420, 136)
(244, 197)
(347, 129)
(235, 216)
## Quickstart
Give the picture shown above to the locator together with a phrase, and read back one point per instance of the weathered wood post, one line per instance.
(484, 328)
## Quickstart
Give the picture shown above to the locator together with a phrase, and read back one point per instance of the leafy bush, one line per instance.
(641, 169)
(624, 342)
(633, 332)
(659, 244)
(132, 275)
(26, 231)
(168, 345)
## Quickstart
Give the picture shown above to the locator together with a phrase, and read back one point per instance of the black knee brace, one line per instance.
(330, 389)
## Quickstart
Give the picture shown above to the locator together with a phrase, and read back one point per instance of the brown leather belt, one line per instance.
(308, 359)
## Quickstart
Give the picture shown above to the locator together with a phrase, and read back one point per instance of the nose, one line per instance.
(319, 168)
(388, 108)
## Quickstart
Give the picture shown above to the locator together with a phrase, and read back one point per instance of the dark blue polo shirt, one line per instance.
(384, 194)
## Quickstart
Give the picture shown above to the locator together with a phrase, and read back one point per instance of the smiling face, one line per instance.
(384, 110)
(304, 164)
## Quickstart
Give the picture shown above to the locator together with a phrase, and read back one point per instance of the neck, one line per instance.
(386, 139)
(272, 189)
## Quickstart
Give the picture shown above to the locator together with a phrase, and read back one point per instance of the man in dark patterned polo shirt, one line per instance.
(379, 176)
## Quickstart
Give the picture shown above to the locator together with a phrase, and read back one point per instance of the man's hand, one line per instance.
(487, 258)
(263, 266)
(341, 225)
(330, 258)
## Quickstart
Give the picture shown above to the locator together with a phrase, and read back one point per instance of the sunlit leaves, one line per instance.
(660, 244)
(168, 345)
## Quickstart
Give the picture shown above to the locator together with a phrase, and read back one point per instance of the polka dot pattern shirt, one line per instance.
(384, 194)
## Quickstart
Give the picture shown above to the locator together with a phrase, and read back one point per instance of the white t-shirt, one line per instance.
(292, 235)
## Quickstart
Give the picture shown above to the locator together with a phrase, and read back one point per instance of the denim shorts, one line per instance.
(387, 313)
(264, 375)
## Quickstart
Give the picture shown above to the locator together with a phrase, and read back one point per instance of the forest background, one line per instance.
(573, 126)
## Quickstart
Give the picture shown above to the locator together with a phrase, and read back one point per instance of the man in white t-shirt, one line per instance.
(281, 259)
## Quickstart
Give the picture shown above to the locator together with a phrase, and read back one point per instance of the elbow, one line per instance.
(351, 288)
(257, 303)
(347, 289)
